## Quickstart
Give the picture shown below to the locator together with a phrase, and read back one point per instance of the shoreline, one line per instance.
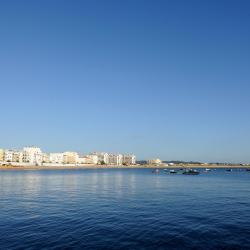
(11, 167)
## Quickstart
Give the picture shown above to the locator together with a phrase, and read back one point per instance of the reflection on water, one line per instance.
(123, 209)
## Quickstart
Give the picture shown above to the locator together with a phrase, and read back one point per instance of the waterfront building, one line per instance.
(12, 156)
(56, 158)
(102, 157)
(19, 156)
(1, 155)
(119, 159)
(82, 160)
(154, 161)
(70, 157)
(115, 159)
(32, 155)
(45, 157)
(88, 159)
(93, 159)
(129, 160)
(9, 155)
(35, 156)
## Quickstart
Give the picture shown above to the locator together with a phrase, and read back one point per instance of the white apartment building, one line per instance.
(32, 155)
(70, 157)
(9, 155)
(154, 161)
(82, 160)
(115, 159)
(45, 157)
(56, 158)
(102, 157)
(88, 159)
(129, 159)
(12, 156)
(1, 155)
(93, 159)
(119, 159)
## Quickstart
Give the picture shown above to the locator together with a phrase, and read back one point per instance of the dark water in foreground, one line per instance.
(124, 209)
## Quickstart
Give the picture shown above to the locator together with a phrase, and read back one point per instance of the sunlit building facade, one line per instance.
(129, 160)
(32, 155)
(70, 157)
(56, 158)
(1, 155)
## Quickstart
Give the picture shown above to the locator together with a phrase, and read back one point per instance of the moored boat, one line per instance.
(191, 172)
(172, 171)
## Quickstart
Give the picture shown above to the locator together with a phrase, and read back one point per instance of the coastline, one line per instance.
(62, 167)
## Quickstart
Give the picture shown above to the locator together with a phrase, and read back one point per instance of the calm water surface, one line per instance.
(124, 209)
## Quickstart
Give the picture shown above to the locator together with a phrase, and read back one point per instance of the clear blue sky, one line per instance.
(168, 79)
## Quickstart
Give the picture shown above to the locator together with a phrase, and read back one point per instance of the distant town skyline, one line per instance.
(13, 152)
(161, 79)
(34, 156)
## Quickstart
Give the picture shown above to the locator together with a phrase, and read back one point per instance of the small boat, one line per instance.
(191, 172)
(248, 169)
(229, 170)
(207, 169)
(156, 171)
(172, 171)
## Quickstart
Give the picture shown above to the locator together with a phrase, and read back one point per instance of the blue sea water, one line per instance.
(124, 209)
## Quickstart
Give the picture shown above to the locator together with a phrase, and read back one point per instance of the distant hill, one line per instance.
(175, 162)
(178, 162)
(183, 162)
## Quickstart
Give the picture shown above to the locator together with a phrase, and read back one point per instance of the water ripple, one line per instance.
(123, 209)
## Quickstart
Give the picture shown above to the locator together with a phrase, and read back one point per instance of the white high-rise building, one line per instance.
(93, 159)
(32, 155)
(1, 155)
(115, 159)
(154, 161)
(45, 157)
(12, 156)
(70, 157)
(129, 159)
(102, 157)
(9, 155)
(87, 159)
(56, 158)
(119, 159)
